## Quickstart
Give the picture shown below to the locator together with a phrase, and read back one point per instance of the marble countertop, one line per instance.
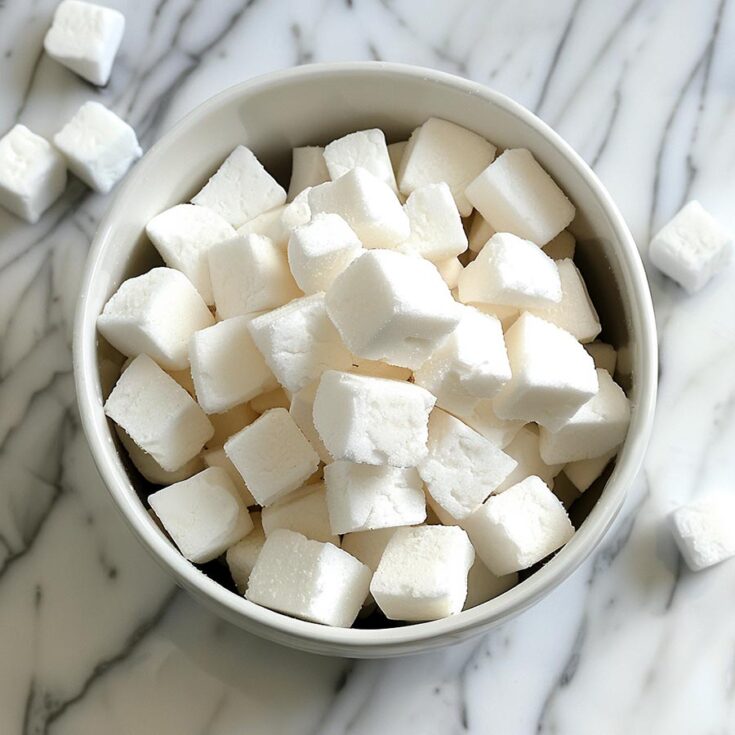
(95, 638)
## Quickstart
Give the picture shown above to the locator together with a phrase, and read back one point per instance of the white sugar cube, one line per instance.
(204, 515)
(596, 428)
(366, 149)
(442, 151)
(241, 189)
(604, 355)
(461, 467)
(32, 173)
(308, 168)
(422, 574)
(218, 458)
(480, 232)
(481, 417)
(436, 229)
(158, 414)
(308, 579)
(299, 342)
(703, 530)
(515, 529)
(562, 246)
(691, 248)
(229, 422)
(372, 420)
(525, 450)
(450, 270)
(368, 205)
(85, 37)
(302, 412)
(272, 455)
(241, 557)
(98, 146)
(410, 307)
(320, 250)
(584, 472)
(249, 274)
(363, 497)
(268, 224)
(183, 235)
(483, 585)
(552, 374)
(575, 311)
(368, 546)
(512, 272)
(515, 194)
(276, 398)
(303, 511)
(395, 153)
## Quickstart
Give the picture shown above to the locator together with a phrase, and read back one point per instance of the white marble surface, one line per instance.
(94, 638)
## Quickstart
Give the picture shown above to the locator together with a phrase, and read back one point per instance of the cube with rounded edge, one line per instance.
(702, 530)
(525, 450)
(303, 511)
(308, 579)
(368, 546)
(204, 515)
(372, 420)
(218, 458)
(241, 557)
(302, 412)
(272, 455)
(364, 148)
(422, 574)
(482, 584)
(308, 168)
(269, 224)
(584, 472)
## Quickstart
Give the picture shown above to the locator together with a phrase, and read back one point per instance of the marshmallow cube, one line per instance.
(308, 168)
(204, 515)
(483, 585)
(320, 250)
(436, 228)
(276, 398)
(395, 152)
(422, 574)
(514, 194)
(372, 420)
(241, 189)
(361, 497)
(368, 205)
(450, 270)
(410, 308)
(584, 472)
(229, 422)
(302, 412)
(303, 511)
(249, 274)
(296, 213)
(368, 546)
(158, 414)
(299, 342)
(596, 428)
(442, 151)
(525, 450)
(241, 557)
(604, 355)
(512, 272)
(480, 232)
(218, 458)
(552, 374)
(366, 149)
(98, 146)
(461, 467)
(691, 248)
(85, 37)
(703, 530)
(562, 246)
(32, 173)
(481, 417)
(272, 455)
(183, 235)
(308, 579)
(515, 529)
(270, 225)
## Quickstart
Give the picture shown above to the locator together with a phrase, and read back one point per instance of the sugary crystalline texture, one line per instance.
(272, 455)
(241, 189)
(85, 37)
(155, 314)
(183, 235)
(368, 546)
(308, 579)
(299, 342)
(158, 414)
(302, 412)
(204, 515)
(575, 311)
(249, 274)
(303, 511)
(227, 367)
(422, 574)
(392, 307)
(512, 272)
(442, 151)
(320, 250)
(372, 420)
(241, 557)
(483, 585)
(218, 458)
(268, 224)
(691, 248)
(365, 149)
(515, 529)
(32, 173)
(436, 228)
(308, 168)
(480, 232)
(98, 146)
(515, 194)
(362, 497)
(368, 205)
(584, 472)
(562, 246)
(596, 428)
(552, 374)
(604, 355)
(702, 530)
(461, 467)
(524, 449)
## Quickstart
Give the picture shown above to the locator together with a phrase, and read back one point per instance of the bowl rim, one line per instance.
(417, 636)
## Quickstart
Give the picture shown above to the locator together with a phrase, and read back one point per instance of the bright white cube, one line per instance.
(303, 511)
(268, 224)
(241, 557)
(302, 412)
(218, 458)
(525, 450)
(296, 213)
(481, 417)
(308, 168)
(365, 149)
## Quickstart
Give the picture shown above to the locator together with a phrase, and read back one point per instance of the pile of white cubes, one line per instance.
(361, 391)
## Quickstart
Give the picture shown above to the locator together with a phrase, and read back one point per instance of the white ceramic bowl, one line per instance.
(311, 105)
